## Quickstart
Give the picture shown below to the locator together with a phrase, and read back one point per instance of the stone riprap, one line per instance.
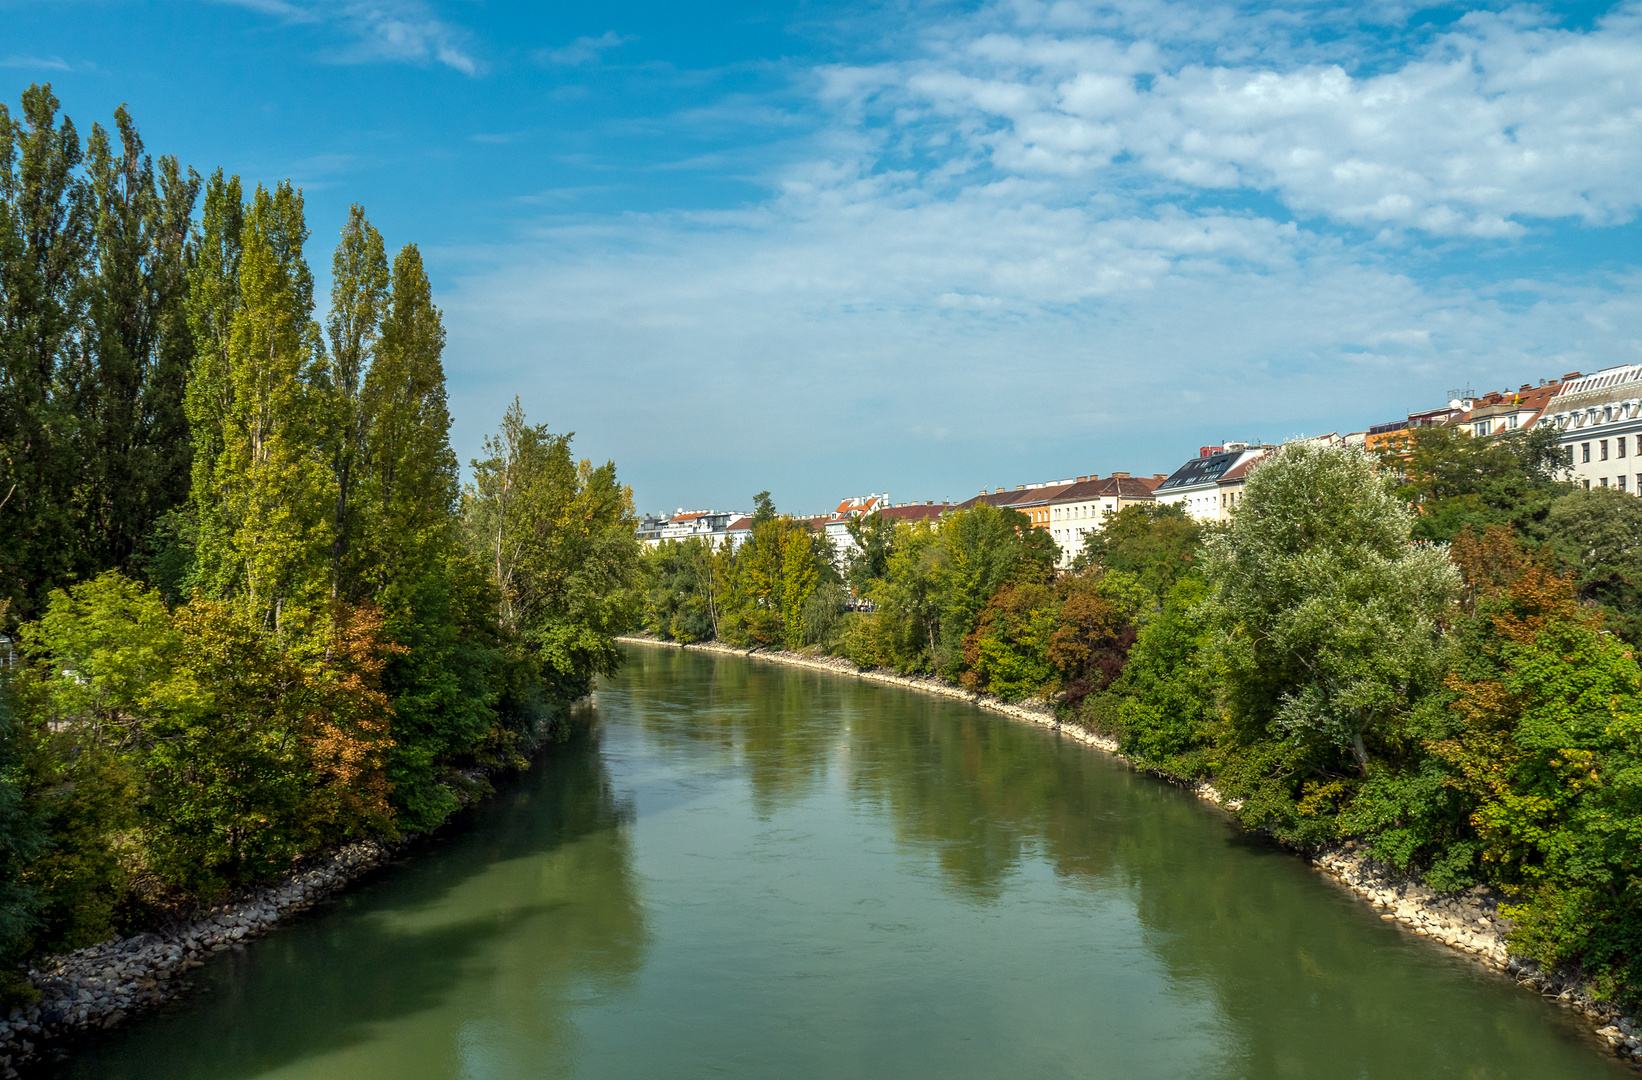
(99, 986)
(1467, 921)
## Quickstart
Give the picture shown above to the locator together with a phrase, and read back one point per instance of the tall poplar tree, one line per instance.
(412, 468)
(134, 447)
(43, 240)
(359, 294)
(213, 300)
(277, 489)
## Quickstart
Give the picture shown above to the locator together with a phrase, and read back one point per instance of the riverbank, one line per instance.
(98, 986)
(1467, 922)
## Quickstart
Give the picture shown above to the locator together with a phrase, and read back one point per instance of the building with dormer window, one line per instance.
(1599, 420)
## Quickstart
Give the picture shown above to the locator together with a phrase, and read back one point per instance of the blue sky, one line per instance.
(829, 248)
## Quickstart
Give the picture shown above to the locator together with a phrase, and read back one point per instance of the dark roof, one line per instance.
(1233, 475)
(1200, 470)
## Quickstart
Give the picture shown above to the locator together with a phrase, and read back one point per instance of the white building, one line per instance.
(1084, 507)
(1196, 484)
(708, 524)
(1599, 418)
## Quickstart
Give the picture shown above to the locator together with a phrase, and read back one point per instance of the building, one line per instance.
(708, 524)
(1599, 419)
(1083, 507)
(836, 524)
(1230, 484)
(1476, 414)
(1195, 486)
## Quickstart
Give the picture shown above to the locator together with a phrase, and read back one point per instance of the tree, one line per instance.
(1157, 543)
(44, 240)
(1327, 620)
(560, 537)
(133, 447)
(276, 492)
(1599, 533)
(359, 295)
(1455, 479)
(213, 302)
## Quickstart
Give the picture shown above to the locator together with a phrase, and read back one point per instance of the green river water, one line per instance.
(750, 870)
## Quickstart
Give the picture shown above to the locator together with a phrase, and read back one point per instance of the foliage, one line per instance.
(1455, 480)
(255, 617)
(1156, 543)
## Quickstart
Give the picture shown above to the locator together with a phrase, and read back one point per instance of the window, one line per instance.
(1587, 485)
(1620, 480)
(1619, 446)
(1482, 428)
(1603, 481)
(1511, 422)
(1602, 450)
(1585, 453)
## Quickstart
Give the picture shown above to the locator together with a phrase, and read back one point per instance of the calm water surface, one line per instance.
(748, 870)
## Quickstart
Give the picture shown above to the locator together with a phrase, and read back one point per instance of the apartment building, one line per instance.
(1195, 486)
(1599, 419)
(1084, 506)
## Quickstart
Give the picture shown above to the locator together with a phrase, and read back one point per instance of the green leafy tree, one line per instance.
(560, 539)
(1327, 619)
(359, 298)
(1454, 479)
(276, 492)
(45, 225)
(1157, 543)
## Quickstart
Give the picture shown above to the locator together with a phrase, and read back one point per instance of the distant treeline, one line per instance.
(1432, 653)
(257, 611)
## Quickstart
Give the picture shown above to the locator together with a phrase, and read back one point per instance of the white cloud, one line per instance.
(1497, 121)
(379, 30)
(1001, 259)
(48, 63)
(584, 50)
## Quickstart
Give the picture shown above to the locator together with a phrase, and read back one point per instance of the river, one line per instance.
(750, 870)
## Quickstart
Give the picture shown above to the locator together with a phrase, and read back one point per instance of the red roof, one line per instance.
(1239, 473)
(741, 525)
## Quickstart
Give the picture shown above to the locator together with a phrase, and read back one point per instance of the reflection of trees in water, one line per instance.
(472, 951)
(1298, 975)
(779, 723)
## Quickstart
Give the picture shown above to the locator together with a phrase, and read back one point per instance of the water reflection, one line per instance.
(754, 871)
(1290, 976)
(473, 953)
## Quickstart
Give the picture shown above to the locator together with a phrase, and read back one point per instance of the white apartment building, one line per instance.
(1083, 508)
(1196, 484)
(1599, 418)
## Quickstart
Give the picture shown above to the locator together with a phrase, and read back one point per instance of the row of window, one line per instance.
(1619, 482)
(1602, 450)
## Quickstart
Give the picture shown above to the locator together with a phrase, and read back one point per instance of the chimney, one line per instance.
(1081, 479)
(998, 492)
(1160, 476)
(929, 502)
(1527, 387)
(1018, 487)
(1120, 476)
(1570, 375)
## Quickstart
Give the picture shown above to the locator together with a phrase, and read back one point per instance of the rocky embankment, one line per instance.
(1471, 922)
(1467, 921)
(100, 985)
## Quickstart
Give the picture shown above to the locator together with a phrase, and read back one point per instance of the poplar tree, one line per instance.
(277, 489)
(134, 448)
(359, 293)
(43, 242)
(213, 300)
(413, 470)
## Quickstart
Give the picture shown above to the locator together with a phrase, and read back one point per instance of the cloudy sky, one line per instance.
(828, 248)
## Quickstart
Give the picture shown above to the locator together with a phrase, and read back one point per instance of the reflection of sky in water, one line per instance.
(753, 871)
